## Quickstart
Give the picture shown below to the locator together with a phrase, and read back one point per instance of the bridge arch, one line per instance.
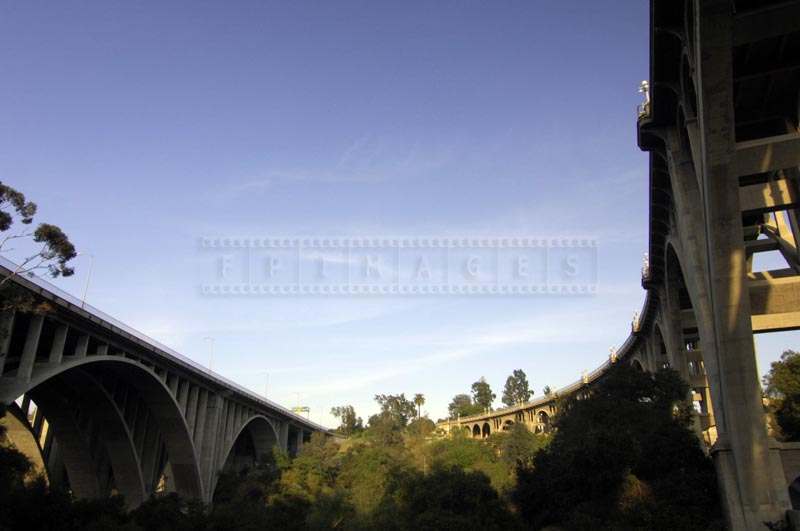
(507, 425)
(486, 430)
(543, 422)
(252, 444)
(659, 348)
(681, 305)
(78, 391)
(636, 364)
(47, 388)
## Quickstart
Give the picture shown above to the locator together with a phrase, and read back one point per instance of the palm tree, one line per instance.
(419, 399)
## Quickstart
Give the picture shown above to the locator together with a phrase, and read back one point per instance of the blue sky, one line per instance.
(142, 127)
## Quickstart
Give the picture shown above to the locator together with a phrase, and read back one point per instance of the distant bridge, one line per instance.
(720, 122)
(103, 409)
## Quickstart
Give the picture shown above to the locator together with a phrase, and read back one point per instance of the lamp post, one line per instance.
(88, 277)
(211, 352)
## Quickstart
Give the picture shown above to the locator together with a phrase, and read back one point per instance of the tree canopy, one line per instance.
(482, 394)
(623, 458)
(51, 248)
(419, 400)
(782, 388)
(398, 407)
(349, 422)
(517, 389)
(44, 248)
(463, 406)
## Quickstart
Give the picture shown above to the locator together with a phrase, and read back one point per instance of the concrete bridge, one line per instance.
(720, 123)
(102, 408)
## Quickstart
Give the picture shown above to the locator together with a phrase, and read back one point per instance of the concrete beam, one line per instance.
(768, 197)
(775, 300)
(765, 23)
(767, 154)
(760, 246)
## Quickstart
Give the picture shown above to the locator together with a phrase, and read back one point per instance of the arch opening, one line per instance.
(117, 430)
(252, 446)
(543, 422)
(690, 355)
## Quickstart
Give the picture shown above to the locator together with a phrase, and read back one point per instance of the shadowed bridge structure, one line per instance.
(720, 124)
(102, 409)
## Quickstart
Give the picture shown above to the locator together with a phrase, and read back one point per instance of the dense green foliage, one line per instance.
(623, 459)
(782, 387)
(517, 389)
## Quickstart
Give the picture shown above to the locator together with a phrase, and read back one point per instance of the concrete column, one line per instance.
(59, 340)
(149, 453)
(283, 436)
(38, 422)
(29, 350)
(102, 350)
(82, 346)
(742, 453)
(208, 447)
(191, 408)
(183, 396)
(299, 442)
(200, 421)
(25, 407)
(6, 327)
(173, 385)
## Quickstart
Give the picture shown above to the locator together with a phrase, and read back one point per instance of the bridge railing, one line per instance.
(52, 292)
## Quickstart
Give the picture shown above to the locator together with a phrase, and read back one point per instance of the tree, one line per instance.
(447, 498)
(624, 458)
(349, 422)
(782, 387)
(462, 406)
(518, 446)
(44, 248)
(398, 407)
(517, 389)
(52, 248)
(482, 394)
(419, 400)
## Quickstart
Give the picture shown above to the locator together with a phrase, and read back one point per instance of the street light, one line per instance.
(88, 276)
(211, 351)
